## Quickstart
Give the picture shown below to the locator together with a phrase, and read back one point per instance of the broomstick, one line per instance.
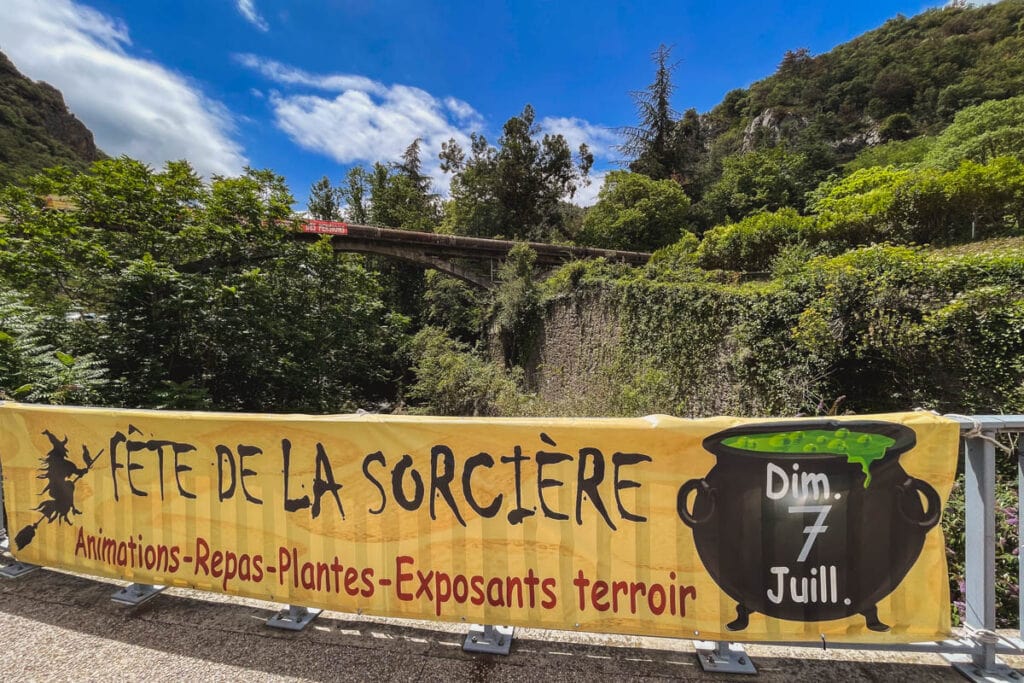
(25, 536)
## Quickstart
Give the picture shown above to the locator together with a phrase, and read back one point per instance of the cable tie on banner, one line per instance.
(985, 636)
(823, 644)
(975, 433)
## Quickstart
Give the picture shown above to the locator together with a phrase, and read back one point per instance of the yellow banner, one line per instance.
(718, 528)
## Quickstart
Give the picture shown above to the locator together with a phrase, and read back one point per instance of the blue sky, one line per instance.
(311, 87)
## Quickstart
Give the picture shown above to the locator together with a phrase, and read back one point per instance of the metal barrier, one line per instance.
(974, 654)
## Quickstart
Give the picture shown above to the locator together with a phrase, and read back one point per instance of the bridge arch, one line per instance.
(444, 252)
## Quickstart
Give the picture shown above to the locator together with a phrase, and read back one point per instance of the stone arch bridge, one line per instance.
(471, 259)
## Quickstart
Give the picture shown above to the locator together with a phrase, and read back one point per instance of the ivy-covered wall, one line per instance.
(888, 328)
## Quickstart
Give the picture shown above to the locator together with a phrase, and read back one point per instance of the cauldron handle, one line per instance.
(700, 486)
(934, 508)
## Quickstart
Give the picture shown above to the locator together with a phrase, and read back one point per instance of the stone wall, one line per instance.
(682, 360)
(577, 344)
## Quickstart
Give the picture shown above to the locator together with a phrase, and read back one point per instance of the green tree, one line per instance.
(400, 197)
(352, 196)
(309, 332)
(688, 154)
(49, 256)
(513, 190)
(981, 133)
(155, 331)
(452, 380)
(636, 212)
(648, 145)
(323, 201)
(400, 194)
(897, 127)
(453, 306)
(411, 167)
(192, 296)
(762, 180)
(136, 210)
(516, 308)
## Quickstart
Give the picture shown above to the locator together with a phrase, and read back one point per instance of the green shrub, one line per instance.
(752, 243)
(898, 153)
(922, 205)
(452, 380)
(981, 133)
(637, 213)
(33, 369)
(515, 308)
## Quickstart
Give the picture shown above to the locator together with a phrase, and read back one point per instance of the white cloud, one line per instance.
(587, 196)
(464, 112)
(602, 142)
(361, 120)
(600, 139)
(354, 119)
(248, 10)
(133, 106)
(289, 75)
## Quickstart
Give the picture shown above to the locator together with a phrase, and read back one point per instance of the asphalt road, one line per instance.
(56, 626)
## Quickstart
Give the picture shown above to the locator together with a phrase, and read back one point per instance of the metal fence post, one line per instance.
(488, 639)
(3, 515)
(722, 657)
(295, 618)
(980, 530)
(1020, 534)
(137, 594)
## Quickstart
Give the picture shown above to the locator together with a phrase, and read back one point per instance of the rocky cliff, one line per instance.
(37, 130)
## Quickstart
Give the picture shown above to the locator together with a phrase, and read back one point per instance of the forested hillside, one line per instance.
(896, 87)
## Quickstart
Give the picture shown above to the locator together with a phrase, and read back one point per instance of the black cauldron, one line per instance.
(799, 536)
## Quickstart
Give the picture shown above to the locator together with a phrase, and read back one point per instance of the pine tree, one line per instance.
(687, 153)
(411, 167)
(323, 201)
(353, 195)
(649, 144)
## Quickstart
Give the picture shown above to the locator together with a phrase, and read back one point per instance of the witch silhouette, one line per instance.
(60, 475)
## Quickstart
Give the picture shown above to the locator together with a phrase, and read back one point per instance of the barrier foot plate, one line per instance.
(17, 570)
(493, 640)
(136, 594)
(295, 618)
(973, 672)
(723, 658)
